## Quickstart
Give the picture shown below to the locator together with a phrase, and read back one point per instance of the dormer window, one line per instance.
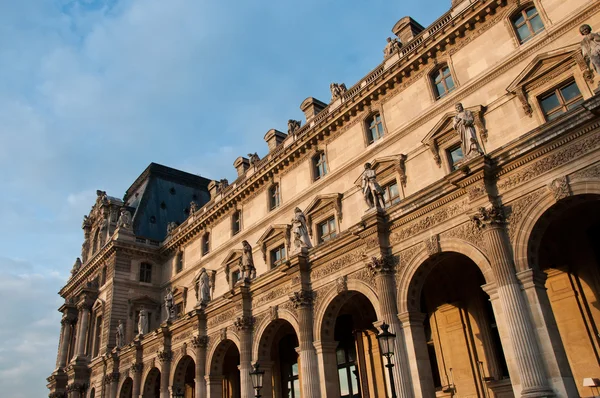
(527, 23)
(274, 197)
(236, 222)
(442, 80)
(374, 128)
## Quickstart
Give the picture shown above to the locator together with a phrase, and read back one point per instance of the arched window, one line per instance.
(274, 197)
(320, 165)
(442, 81)
(374, 128)
(527, 23)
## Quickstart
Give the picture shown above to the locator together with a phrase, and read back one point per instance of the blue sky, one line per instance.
(92, 91)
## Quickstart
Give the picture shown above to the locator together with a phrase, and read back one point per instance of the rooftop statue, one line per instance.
(171, 227)
(76, 266)
(293, 126)
(254, 158)
(392, 46)
(337, 90)
(124, 219)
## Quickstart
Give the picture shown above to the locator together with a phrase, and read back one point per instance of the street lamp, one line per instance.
(386, 346)
(257, 379)
(178, 392)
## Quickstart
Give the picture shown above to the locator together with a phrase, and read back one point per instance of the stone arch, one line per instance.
(92, 392)
(177, 376)
(537, 217)
(283, 315)
(214, 360)
(415, 272)
(150, 378)
(332, 301)
(126, 388)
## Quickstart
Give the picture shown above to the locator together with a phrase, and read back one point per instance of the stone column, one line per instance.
(67, 324)
(268, 388)
(200, 344)
(416, 353)
(552, 348)
(245, 325)
(84, 318)
(165, 357)
(521, 332)
(327, 361)
(114, 384)
(383, 269)
(214, 386)
(303, 301)
(136, 373)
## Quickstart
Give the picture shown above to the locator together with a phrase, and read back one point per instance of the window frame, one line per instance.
(328, 220)
(372, 124)
(147, 272)
(563, 106)
(179, 262)
(317, 160)
(236, 219)
(522, 12)
(432, 81)
(393, 201)
(279, 249)
(274, 193)
(205, 244)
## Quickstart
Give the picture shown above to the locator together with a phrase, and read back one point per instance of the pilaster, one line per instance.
(413, 330)
(200, 344)
(245, 327)
(327, 363)
(164, 358)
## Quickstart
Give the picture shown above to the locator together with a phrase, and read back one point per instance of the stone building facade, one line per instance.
(474, 232)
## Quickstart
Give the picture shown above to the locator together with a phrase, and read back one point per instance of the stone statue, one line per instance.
(337, 90)
(101, 197)
(247, 262)
(254, 158)
(169, 304)
(391, 47)
(203, 287)
(171, 227)
(293, 126)
(300, 231)
(120, 334)
(76, 266)
(124, 219)
(590, 47)
(143, 322)
(372, 192)
(193, 207)
(223, 183)
(464, 124)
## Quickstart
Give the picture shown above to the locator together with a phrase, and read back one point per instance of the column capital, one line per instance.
(411, 317)
(200, 341)
(68, 319)
(380, 265)
(485, 217)
(532, 278)
(325, 346)
(164, 356)
(245, 322)
(111, 377)
(136, 368)
(77, 387)
(302, 299)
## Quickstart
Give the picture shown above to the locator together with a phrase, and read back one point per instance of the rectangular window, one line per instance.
(205, 243)
(327, 230)
(274, 197)
(277, 256)
(561, 100)
(391, 194)
(320, 165)
(98, 337)
(455, 155)
(375, 126)
(179, 263)
(235, 277)
(146, 272)
(236, 222)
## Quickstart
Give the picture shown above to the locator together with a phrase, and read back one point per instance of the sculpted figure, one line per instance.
(223, 183)
(254, 158)
(300, 230)
(76, 266)
(193, 207)
(590, 46)
(337, 90)
(203, 287)
(293, 126)
(169, 304)
(124, 219)
(392, 46)
(247, 262)
(143, 322)
(171, 227)
(372, 192)
(120, 334)
(464, 124)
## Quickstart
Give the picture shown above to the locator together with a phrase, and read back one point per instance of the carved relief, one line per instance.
(467, 232)
(364, 275)
(488, 216)
(337, 264)
(432, 245)
(273, 294)
(380, 265)
(560, 188)
(274, 312)
(222, 317)
(341, 284)
(200, 341)
(244, 322)
(515, 211)
(590, 172)
(301, 299)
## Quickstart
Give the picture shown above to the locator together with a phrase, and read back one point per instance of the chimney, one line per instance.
(406, 29)
(311, 106)
(274, 138)
(212, 188)
(241, 164)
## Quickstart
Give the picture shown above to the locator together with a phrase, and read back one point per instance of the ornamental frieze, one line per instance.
(339, 263)
(182, 336)
(222, 317)
(273, 294)
(590, 172)
(550, 162)
(427, 222)
(467, 232)
(405, 257)
(515, 211)
(363, 275)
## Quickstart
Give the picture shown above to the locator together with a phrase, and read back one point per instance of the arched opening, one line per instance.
(127, 389)
(152, 384)
(565, 244)
(353, 363)
(278, 357)
(93, 393)
(185, 376)
(461, 335)
(224, 377)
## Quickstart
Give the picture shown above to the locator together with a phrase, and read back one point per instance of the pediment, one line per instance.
(321, 201)
(549, 62)
(273, 232)
(145, 301)
(232, 256)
